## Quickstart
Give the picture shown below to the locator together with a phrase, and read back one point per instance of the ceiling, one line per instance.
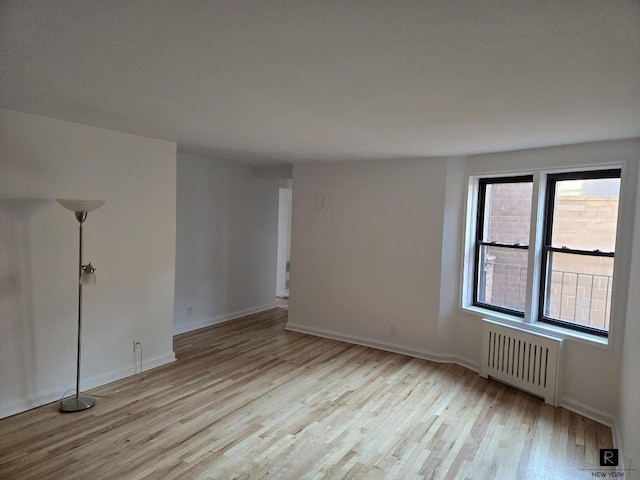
(285, 80)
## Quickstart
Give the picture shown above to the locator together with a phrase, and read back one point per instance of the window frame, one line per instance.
(479, 243)
(547, 244)
(531, 321)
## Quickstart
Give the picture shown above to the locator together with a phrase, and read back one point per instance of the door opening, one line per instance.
(284, 246)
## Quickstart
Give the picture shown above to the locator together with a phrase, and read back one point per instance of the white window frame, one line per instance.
(530, 320)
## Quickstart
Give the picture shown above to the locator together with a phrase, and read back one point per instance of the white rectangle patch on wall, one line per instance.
(320, 201)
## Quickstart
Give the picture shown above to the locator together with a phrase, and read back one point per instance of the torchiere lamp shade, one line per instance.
(80, 205)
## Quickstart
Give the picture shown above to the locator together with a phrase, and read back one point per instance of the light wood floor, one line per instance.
(247, 399)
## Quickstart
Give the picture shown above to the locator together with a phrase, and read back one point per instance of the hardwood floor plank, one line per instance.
(247, 399)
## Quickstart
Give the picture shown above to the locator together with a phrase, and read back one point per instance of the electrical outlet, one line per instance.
(189, 311)
(393, 330)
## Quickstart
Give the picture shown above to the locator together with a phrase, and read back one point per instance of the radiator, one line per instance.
(521, 359)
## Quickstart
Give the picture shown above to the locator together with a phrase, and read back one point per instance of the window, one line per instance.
(581, 215)
(572, 259)
(502, 243)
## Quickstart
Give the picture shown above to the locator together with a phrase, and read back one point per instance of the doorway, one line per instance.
(284, 245)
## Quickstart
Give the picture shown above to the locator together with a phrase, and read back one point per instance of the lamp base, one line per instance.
(74, 404)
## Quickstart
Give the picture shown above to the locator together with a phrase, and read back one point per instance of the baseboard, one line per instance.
(617, 443)
(284, 293)
(388, 347)
(469, 364)
(196, 325)
(126, 372)
(38, 400)
(600, 417)
(588, 412)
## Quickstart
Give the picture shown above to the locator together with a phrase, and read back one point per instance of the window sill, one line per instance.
(538, 327)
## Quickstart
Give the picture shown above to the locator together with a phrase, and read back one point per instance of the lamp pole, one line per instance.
(85, 275)
(81, 216)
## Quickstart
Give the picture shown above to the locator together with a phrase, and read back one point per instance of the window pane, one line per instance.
(579, 289)
(507, 212)
(502, 277)
(586, 213)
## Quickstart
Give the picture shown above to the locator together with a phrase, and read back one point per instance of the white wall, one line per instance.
(452, 240)
(629, 421)
(284, 242)
(369, 268)
(131, 241)
(226, 245)
(388, 253)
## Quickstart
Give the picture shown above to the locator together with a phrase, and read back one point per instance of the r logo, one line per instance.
(608, 457)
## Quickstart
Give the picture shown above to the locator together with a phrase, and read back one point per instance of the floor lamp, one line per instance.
(86, 277)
